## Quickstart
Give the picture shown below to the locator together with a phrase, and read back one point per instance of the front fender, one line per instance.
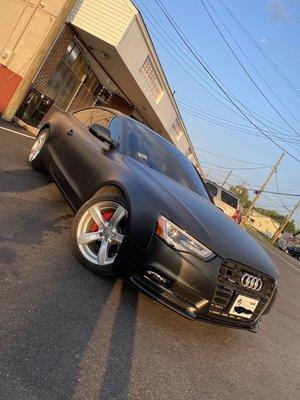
(144, 204)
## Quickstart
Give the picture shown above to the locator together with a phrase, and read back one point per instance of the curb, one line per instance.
(28, 128)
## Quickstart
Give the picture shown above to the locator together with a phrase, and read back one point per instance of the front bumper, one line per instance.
(194, 288)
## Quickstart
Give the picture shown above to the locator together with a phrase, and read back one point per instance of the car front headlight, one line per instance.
(181, 240)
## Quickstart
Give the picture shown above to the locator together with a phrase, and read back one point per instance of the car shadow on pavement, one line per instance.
(63, 344)
(105, 368)
(22, 180)
(115, 383)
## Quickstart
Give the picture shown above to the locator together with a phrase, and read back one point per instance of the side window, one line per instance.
(212, 188)
(115, 129)
(91, 116)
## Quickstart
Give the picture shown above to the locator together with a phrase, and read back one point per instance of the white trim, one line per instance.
(16, 132)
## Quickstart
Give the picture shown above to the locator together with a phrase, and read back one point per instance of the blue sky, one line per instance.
(275, 25)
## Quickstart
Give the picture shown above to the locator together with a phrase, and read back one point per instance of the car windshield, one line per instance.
(149, 148)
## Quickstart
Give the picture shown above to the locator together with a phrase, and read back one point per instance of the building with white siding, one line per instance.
(102, 56)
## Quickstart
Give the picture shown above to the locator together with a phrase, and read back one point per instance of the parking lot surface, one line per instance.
(67, 334)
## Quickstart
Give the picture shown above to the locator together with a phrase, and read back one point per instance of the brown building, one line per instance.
(103, 55)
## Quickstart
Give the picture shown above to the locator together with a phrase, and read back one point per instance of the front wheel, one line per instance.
(35, 155)
(98, 231)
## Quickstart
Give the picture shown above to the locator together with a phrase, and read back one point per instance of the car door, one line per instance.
(80, 152)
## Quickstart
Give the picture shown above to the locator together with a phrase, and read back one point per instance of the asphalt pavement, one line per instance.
(67, 334)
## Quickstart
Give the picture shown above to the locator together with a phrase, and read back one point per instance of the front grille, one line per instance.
(229, 286)
(185, 294)
(168, 290)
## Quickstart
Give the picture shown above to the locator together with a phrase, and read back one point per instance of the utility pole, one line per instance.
(227, 177)
(258, 194)
(284, 222)
(208, 173)
(37, 61)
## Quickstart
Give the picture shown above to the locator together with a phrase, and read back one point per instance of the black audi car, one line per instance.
(143, 213)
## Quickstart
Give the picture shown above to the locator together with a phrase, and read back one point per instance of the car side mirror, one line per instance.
(103, 134)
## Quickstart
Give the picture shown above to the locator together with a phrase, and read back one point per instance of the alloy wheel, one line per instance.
(37, 146)
(100, 232)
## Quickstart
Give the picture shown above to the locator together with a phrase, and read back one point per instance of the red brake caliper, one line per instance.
(106, 215)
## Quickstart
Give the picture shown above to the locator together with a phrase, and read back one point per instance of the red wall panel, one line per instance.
(9, 81)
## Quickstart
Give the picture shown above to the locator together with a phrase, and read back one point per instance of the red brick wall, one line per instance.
(52, 61)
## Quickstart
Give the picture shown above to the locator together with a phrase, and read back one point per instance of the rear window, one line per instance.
(90, 116)
(212, 188)
(229, 199)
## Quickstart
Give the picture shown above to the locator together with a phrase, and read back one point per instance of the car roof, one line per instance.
(112, 110)
(124, 116)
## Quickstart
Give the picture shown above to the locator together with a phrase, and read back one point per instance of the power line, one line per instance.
(236, 168)
(245, 69)
(252, 133)
(274, 202)
(250, 62)
(166, 13)
(200, 115)
(195, 108)
(260, 116)
(277, 187)
(234, 159)
(278, 193)
(260, 49)
(184, 60)
(186, 57)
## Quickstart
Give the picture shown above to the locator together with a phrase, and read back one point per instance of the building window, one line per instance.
(74, 84)
(151, 79)
(177, 129)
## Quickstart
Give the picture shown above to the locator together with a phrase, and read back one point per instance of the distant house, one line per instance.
(262, 223)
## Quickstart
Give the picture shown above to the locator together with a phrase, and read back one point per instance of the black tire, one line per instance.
(76, 228)
(37, 162)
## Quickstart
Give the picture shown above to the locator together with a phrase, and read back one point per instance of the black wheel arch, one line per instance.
(142, 207)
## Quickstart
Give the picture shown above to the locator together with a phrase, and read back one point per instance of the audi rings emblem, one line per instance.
(251, 282)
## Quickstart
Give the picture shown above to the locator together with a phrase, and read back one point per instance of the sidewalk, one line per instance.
(13, 126)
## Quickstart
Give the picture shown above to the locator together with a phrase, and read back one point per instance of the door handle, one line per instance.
(70, 132)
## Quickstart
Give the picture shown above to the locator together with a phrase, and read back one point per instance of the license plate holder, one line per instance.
(243, 306)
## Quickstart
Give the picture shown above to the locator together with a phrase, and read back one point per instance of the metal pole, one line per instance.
(284, 222)
(76, 92)
(226, 179)
(208, 173)
(254, 201)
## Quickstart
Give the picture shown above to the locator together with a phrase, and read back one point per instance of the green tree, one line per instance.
(242, 193)
(291, 227)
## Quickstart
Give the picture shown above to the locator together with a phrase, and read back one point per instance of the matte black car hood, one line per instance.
(202, 219)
